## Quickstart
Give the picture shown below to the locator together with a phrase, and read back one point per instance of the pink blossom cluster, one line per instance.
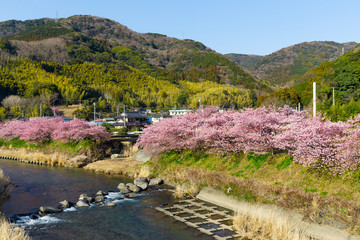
(314, 142)
(48, 129)
(231, 131)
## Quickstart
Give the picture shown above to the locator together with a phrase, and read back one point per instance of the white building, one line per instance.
(174, 113)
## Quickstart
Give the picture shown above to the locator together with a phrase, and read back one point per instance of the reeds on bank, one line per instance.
(267, 225)
(11, 232)
(37, 156)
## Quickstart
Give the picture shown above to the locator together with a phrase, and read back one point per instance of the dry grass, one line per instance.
(267, 225)
(129, 149)
(10, 232)
(145, 171)
(37, 156)
(126, 166)
(186, 190)
(68, 110)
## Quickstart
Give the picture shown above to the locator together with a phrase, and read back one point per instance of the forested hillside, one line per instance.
(245, 60)
(80, 39)
(285, 65)
(344, 75)
(110, 85)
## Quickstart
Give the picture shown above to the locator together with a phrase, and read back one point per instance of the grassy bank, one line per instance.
(322, 197)
(71, 154)
(127, 166)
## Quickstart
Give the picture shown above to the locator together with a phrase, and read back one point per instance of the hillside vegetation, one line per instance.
(245, 60)
(342, 75)
(285, 65)
(109, 85)
(80, 39)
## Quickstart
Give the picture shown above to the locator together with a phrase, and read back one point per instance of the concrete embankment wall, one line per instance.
(313, 230)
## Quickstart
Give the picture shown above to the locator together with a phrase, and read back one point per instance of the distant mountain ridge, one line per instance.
(82, 35)
(285, 65)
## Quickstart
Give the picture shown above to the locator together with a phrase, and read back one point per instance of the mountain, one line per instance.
(339, 78)
(343, 74)
(86, 59)
(245, 60)
(79, 39)
(285, 65)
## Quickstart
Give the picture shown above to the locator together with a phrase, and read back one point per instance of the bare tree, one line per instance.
(13, 101)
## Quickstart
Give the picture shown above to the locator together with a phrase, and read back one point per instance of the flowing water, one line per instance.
(35, 186)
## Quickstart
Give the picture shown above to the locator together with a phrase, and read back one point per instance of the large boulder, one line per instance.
(155, 181)
(82, 203)
(140, 179)
(99, 199)
(133, 188)
(142, 185)
(87, 198)
(47, 209)
(100, 193)
(123, 188)
(65, 204)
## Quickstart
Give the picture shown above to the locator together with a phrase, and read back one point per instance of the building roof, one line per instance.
(131, 115)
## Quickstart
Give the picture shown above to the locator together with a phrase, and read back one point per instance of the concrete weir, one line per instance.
(212, 213)
(312, 230)
(205, 217)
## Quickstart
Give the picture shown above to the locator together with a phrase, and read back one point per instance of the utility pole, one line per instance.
(333, 96)
(314, 99)
(299, 107)
(94, 111)
(200, 102)
(40, 110)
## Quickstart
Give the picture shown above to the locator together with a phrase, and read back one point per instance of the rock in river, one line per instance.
(140, 179)
(99, 199)
(132, 187)
(82, 203)
(100, 193)
(65, 204)
(110, 204)
(123, 188)
(155, 181)
(142, 185)
(86, 198)
(46, 209)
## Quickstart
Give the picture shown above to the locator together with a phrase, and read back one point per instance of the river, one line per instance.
(35, 186)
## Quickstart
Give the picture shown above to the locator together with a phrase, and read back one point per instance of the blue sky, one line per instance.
(238, 26)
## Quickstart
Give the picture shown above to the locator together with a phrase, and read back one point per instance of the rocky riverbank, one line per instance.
(100, 198)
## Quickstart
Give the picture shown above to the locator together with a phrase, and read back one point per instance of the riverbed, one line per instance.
(35, 186)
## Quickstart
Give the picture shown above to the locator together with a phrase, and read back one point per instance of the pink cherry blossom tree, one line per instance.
(40, 130)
